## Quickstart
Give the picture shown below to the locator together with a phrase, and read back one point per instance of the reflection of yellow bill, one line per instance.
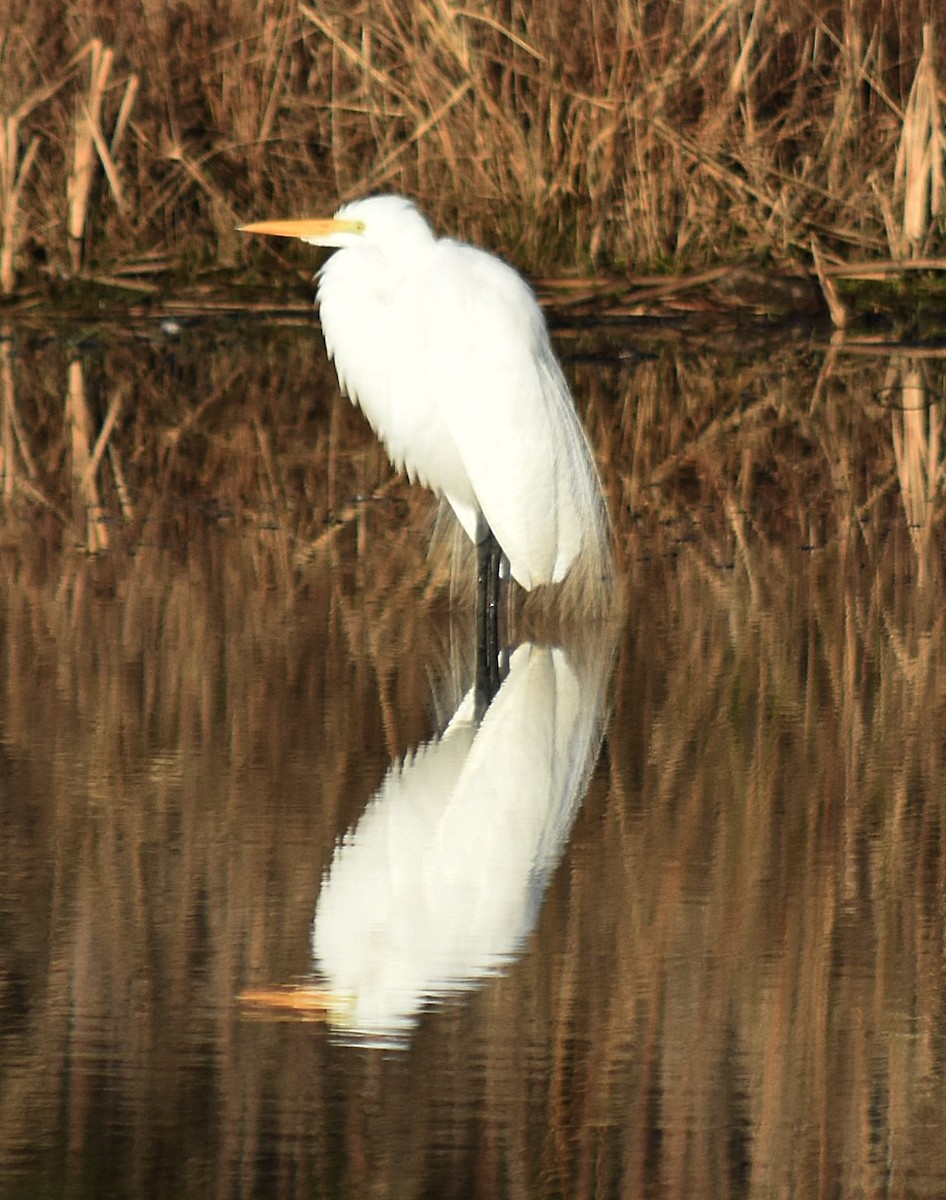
(286, 1003)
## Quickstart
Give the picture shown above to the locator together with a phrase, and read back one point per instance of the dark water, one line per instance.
(279, 918)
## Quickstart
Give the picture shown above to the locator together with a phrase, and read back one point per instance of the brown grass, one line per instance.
(568, 135)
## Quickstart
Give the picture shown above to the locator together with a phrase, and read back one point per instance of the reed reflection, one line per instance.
(440, 882)
(735, 983)
(918, 442)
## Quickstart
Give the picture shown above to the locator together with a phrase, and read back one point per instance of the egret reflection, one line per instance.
(440, 882)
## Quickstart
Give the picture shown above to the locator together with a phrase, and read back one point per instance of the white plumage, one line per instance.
(446, 351)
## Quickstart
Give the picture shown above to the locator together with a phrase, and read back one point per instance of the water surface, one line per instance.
(669, 921)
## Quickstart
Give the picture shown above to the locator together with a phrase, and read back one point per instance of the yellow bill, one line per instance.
(309, 229)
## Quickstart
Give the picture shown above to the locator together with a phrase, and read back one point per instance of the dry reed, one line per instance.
(603, 135)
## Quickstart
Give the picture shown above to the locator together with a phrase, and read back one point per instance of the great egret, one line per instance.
(446, 351)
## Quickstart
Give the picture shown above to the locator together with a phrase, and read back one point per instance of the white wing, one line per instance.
(491, 372)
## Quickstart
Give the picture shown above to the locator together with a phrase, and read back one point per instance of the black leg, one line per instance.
(488, 557)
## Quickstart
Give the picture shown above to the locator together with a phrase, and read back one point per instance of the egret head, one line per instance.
(375, 220)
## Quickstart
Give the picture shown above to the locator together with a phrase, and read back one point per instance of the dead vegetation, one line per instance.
(605, 135)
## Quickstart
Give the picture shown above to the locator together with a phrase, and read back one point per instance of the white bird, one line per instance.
(445, 350)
